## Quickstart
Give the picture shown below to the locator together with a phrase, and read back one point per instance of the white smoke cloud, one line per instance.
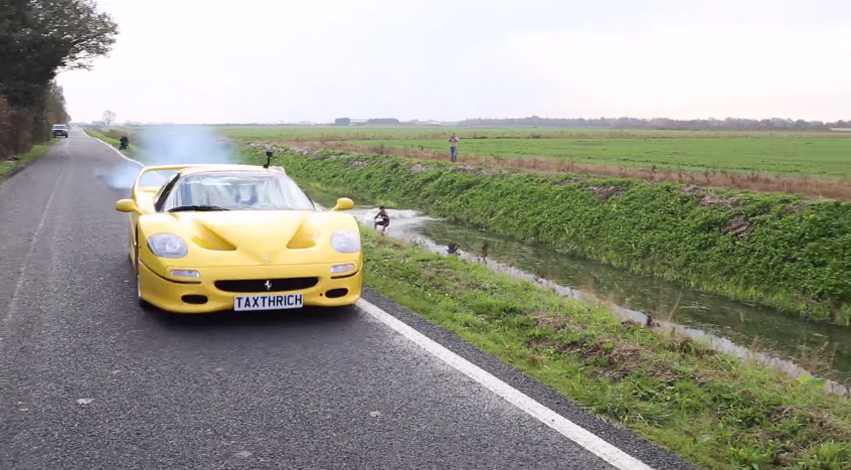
(121, 176)
(171, 145)
(175, 145)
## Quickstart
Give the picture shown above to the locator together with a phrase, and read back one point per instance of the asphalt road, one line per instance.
(90, 381)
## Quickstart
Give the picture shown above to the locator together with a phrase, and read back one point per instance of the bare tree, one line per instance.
(108, 117)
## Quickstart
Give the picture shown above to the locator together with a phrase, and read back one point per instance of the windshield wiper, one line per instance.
(197, 208)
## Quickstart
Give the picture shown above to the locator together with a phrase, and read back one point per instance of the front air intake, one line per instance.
(194, 299)
(267, 285)
(336, 293)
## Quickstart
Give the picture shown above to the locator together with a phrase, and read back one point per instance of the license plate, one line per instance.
(267, 302)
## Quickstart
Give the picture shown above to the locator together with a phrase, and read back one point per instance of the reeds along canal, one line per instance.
(795, 346)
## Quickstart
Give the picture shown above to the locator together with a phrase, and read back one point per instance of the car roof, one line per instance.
(182, 170)
(230, 168)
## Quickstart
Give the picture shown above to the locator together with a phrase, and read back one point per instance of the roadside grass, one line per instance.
(112, 139)
(711, 408)
(23, 160)
(742, 180)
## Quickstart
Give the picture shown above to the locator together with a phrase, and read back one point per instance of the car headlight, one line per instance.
(167, 245)
(345, 241)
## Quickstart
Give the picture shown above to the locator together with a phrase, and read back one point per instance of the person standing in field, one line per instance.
(453, 148)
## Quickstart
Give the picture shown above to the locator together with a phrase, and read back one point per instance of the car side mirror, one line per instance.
(343, 204)
(126, 205)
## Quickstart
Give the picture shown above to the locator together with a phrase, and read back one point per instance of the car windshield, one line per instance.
(59, 126)
(240, 190)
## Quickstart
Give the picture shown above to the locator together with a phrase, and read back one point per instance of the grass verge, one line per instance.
(8, 168)
(131, 152)
(711, 408)
(775, 249)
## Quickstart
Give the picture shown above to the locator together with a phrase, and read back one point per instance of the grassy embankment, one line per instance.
(9, 167)
(812, 163)
(775, 249)
(712, 409)
(112, 137)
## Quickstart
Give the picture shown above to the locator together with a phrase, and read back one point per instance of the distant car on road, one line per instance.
(60, 129)
(238, 237)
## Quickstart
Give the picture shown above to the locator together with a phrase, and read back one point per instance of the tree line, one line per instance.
(625, 123)
(659, 123)
(369, 122)
(38, 39)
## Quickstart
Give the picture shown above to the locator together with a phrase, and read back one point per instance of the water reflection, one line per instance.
(795, 346)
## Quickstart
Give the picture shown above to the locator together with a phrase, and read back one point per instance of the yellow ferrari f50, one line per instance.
(238, 237)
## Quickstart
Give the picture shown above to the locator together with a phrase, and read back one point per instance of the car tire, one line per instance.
(131, 250)
(142, 303)
(339, 310)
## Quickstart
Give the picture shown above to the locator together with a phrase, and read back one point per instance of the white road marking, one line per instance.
(590, 442)
(597, 446)
(85, 401)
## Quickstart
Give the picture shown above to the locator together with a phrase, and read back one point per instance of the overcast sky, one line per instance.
(194, 61)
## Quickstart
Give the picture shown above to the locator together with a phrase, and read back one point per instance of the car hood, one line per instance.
(231, 238)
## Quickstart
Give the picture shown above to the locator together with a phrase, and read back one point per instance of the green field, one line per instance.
(824, 157)
(791, 153)
(415, 132)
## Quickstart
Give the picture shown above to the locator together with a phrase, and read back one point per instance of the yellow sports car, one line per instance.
(238, 237)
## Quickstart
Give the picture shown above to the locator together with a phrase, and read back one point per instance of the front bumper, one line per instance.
(169, 293)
